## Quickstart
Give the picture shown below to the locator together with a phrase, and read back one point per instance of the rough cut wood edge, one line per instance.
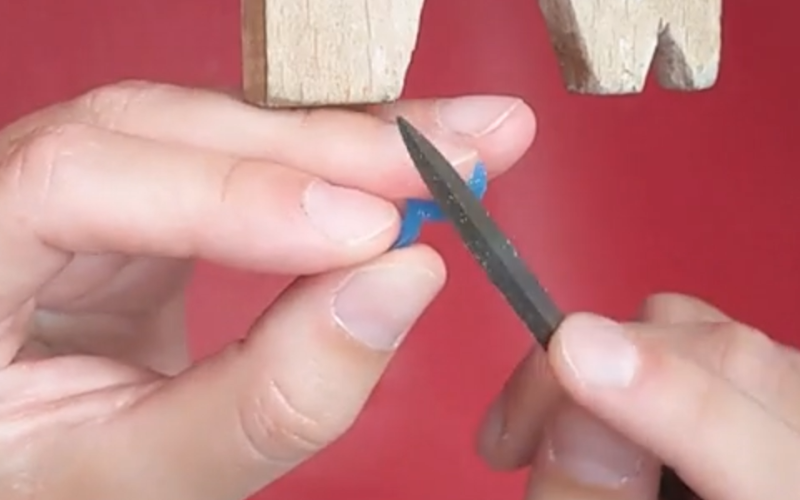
(254, 56)
(327, 52)
(607, 47)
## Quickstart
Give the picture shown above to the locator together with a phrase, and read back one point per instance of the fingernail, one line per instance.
(347, 215)
(462, 158)
(377, 306)
(492, 428)
(475, 116)
(598, 352)
(590, 453)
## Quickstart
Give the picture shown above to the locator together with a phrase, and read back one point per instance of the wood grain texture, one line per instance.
(607, 47)
(309, 53)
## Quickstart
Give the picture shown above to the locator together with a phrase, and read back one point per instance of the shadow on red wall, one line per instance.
(618, 198)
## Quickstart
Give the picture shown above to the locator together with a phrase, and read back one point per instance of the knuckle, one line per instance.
(105, 105)
(757, 366)
(277, 430)
(743, 350)
(236, 178)
(31, 160)
(659, 306)
(748, 358)
(668, 298)
(670, 307)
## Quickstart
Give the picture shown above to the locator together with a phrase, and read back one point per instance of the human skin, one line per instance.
(107, 200)
(685, 384)
(105, 203)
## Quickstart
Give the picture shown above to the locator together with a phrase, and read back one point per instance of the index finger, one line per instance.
(78, 189)
(695, 420)
(346, 147)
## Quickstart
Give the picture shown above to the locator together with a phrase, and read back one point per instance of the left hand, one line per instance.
(105, 203)
(716, 400)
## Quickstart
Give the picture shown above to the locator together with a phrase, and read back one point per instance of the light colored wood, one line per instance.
(305, 53)
(607, 46)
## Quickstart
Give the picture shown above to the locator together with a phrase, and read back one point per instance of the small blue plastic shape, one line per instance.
(418, 211)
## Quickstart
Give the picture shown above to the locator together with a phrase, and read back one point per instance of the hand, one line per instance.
(715, 399)
(104, 203)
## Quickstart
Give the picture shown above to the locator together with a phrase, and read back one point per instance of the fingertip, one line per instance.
(591, 352)
(373, 304)
(505, 145)
(358, 223)
(582, 457)
(420, 255)
(512, 427)
(519, 125)
(490, 436)
(497, 129)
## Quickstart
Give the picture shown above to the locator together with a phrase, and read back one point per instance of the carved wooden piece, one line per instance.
(607, 46)
(308, 53)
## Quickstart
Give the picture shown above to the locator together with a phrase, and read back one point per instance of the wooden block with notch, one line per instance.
(307, 53)
(607, 47)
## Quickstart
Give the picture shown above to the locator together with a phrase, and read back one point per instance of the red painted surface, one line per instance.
(619, 197)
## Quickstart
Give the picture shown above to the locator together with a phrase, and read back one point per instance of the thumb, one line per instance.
(695, 420)
(248, 415)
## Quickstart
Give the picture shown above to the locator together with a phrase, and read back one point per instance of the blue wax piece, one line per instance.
(420, 211)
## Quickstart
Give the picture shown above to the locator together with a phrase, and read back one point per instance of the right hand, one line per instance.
(686, 385)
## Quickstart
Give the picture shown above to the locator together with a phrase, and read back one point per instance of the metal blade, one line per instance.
(484, 239)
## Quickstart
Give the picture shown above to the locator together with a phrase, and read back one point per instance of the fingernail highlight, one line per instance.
(347, 215)
(377, 306)
(597, 351)
(475, 116)
(462, 158)
(590, 453)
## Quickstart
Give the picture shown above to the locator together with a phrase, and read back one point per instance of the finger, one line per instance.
(697, 422)
(573, 454)
(83, 189)
(675, 308)
(87, 190)
(581, 457)
(513, 426)
(250, 414)
(531, 396)
(578, 455)
(356, 149)
(749, 359)
(500, 128)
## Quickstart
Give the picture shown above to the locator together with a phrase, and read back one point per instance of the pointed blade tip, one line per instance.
(404, 126)
(409, 134)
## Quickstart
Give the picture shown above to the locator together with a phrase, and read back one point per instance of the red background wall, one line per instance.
(619, 197)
